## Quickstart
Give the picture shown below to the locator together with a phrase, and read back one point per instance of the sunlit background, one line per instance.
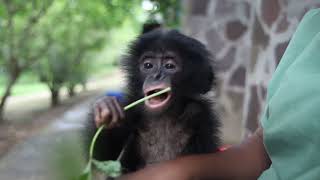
(60, 46)
(58, 56)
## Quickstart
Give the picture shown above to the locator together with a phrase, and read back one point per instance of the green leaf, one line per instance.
(87, 169)
(86, 174)
(110, 168)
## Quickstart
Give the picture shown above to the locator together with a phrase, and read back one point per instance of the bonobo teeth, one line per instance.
(153, 91)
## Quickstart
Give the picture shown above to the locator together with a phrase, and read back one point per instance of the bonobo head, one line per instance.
(161, 59)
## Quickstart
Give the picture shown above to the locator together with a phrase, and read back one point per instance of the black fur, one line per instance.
(190, 118)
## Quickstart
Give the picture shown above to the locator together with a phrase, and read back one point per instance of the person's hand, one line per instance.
(165, 171)
(109, 112)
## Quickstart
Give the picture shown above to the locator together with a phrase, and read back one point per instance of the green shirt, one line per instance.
(291, 121)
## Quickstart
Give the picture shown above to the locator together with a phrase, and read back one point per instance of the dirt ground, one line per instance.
(51, 149)
(12, 133)
(27, 115)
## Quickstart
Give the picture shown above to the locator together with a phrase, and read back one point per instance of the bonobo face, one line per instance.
(158, 70)
(167, 58)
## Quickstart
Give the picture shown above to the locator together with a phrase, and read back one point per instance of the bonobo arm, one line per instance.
(119, 126)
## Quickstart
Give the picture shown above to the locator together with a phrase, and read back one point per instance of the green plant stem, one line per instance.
(146, 98)
(95, 137)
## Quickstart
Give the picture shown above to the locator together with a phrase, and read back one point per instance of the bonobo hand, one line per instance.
(108, 111)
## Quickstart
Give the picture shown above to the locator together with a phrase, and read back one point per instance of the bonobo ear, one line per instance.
(205, 79)
(198, 77)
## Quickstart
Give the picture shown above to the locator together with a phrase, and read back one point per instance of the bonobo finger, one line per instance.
(97, 113)
(114, 114)
(120, 113)
(97, 118)
(118, 107)
(105, 113)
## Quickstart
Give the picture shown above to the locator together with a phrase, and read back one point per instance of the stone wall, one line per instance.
(247, 39)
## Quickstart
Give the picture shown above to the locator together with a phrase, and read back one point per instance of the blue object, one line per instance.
(118, 94)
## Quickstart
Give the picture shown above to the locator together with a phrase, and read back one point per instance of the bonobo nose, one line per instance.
(157, 76)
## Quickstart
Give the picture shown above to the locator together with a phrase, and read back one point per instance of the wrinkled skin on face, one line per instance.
(167, 59)
(158, 69)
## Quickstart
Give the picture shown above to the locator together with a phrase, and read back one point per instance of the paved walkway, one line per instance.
(54, 152)
(34, 158)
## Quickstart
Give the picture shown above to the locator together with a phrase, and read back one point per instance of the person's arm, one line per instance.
(245, 161)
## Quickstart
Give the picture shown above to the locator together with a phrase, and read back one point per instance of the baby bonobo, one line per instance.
(179, 122)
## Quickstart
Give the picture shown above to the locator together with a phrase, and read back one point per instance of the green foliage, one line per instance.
(58, 39)
(81, 29)
(86, 174)
(52, 69)
(169, 10)
(117, 40)
(28, 83)
(26, 88)
(20, 39)
(111, 168)
(21, 44)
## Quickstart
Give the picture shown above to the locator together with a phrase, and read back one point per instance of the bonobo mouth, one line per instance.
(157, 101)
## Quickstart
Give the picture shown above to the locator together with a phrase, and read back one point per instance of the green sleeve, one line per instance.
(291, 122)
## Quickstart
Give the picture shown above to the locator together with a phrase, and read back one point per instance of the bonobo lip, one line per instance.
(158, 101)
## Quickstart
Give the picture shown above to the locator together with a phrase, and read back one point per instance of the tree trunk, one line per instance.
(54, 97)
(5, 97)
(71, 91)
(84, 87)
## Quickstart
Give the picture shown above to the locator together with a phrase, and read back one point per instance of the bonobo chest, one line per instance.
(162, 140)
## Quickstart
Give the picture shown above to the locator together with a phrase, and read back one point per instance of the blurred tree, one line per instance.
(58, 37)
(20, 44)
(80, 28)
(29, 28)
(167, 11)
(53, 71)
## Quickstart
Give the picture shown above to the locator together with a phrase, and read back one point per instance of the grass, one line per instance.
(26, 89)
(27, 84)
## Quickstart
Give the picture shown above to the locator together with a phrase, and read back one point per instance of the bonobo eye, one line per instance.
(147, 65)
(170, 66)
